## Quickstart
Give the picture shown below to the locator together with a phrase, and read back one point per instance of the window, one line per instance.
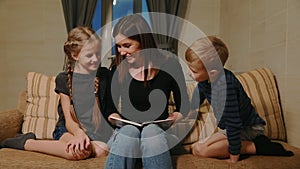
(120, 8)
(97, 20)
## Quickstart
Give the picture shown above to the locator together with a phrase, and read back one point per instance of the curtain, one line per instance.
(171, 25)
(78, 13)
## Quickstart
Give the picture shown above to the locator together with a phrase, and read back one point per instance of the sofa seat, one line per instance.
(30, 160)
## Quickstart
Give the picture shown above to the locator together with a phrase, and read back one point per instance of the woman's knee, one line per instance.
(153, 141)
(152, 130)
(128, 137)
(129, 131)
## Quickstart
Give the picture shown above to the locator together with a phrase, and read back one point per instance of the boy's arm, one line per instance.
(233, 122)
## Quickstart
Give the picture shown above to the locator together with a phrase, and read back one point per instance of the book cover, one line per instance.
(164, 124)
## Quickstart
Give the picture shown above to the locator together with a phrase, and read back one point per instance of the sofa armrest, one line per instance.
(10, 123)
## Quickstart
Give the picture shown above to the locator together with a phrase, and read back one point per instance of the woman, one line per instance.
(142, 81)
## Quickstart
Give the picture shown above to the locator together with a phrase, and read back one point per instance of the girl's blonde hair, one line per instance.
(77, 38)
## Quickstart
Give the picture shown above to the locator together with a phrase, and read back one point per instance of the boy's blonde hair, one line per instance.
(209, 49)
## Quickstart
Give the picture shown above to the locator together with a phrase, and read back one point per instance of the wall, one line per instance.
(33, 33)
(203, 14)
(265, 33)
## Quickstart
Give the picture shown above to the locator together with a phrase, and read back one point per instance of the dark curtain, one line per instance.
(78, 13)
(171, 25)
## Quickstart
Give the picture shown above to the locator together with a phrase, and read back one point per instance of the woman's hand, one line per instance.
(112, 121)
(80, 145)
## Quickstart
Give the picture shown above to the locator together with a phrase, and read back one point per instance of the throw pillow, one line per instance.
(261, 87)
(40, 115)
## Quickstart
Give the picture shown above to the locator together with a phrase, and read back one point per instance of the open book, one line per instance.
(164, 124)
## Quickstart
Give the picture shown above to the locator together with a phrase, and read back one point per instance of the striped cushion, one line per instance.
(261, 87)
(40, 115)
(193, 130)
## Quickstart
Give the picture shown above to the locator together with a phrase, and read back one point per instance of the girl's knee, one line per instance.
(99, 149)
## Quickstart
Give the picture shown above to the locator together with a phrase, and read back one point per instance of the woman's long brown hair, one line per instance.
(135, 27)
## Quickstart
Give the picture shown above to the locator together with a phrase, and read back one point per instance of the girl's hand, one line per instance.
(79, 146)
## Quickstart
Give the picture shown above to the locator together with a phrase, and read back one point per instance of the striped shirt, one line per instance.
(231, 105)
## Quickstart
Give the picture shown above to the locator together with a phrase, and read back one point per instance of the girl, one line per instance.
(76, 131)
(142, 82)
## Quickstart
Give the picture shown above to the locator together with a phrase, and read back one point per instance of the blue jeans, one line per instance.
(128, 144)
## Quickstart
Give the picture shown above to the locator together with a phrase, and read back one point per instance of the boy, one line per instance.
(242, 130)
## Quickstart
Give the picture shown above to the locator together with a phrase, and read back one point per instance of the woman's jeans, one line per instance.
(128, 144)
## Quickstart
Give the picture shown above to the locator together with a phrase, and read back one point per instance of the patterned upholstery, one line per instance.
(261, 87)
(40, 114)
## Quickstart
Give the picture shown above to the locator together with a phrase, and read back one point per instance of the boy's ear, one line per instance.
(74, 56)
(213, 73)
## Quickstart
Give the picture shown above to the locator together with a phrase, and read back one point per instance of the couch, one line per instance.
(36, 112)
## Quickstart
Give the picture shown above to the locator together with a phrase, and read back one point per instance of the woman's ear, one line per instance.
(74, 56)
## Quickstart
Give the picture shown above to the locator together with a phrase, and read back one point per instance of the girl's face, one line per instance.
(88, 59)
(198, 71)
(127, 47)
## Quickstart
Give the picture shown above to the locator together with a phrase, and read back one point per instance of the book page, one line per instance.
(122, 122)
(164, 124)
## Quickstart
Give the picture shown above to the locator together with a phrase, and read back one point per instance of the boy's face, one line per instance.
(198, 71)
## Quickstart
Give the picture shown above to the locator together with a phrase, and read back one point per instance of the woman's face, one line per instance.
(127, 47)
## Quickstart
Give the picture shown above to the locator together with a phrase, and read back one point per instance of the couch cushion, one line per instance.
(40, 114)
(261, 87)
(193, 130)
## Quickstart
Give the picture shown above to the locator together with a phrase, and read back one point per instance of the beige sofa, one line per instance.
(36, 112)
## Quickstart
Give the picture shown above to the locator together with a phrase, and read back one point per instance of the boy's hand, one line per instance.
(233, 158)
(175, 116)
